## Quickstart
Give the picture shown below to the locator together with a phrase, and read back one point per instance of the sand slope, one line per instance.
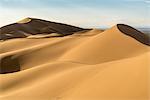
(33, 26)
(88, 65)
(110, 45)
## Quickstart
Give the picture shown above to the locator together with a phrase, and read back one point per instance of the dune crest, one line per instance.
(128, 30)
(109, 45)
(51, 61)
(25, 20)
(33, 26)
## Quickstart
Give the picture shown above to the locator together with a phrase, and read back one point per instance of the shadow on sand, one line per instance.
(9, 64)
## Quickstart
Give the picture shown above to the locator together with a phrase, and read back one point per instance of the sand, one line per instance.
(34, 26)
(26, 20)
(87, 65)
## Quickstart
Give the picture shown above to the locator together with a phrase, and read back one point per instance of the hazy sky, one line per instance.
(84, 13)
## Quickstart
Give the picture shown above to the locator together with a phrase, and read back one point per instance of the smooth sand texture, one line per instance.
(88, 65)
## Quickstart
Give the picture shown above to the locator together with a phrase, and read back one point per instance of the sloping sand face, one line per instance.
(33, 26)
(110, 45)
(143, 38)
(88, 65)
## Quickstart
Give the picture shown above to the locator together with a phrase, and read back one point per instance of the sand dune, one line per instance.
(110, 45)
(33, 26)
(95, 64)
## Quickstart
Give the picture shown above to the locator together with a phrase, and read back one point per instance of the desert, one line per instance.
(44, 60)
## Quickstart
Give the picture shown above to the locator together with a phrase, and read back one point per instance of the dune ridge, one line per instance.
(93, 64)
(106, 46)
(33, 26)
(128, 30)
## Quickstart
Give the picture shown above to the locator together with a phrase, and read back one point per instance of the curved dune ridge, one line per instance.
(92, 64)
(128, 30)
(110, 45)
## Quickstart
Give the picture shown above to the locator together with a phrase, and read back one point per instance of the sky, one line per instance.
(83, 13)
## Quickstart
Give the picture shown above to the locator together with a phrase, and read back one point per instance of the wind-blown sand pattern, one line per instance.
(74, 63)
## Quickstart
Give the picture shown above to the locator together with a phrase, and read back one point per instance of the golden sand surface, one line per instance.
(91, 65)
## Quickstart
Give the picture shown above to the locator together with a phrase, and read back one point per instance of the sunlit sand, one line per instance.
(83, 64)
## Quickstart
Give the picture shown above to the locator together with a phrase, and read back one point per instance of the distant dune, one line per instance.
(33, 26)
(43, 60)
